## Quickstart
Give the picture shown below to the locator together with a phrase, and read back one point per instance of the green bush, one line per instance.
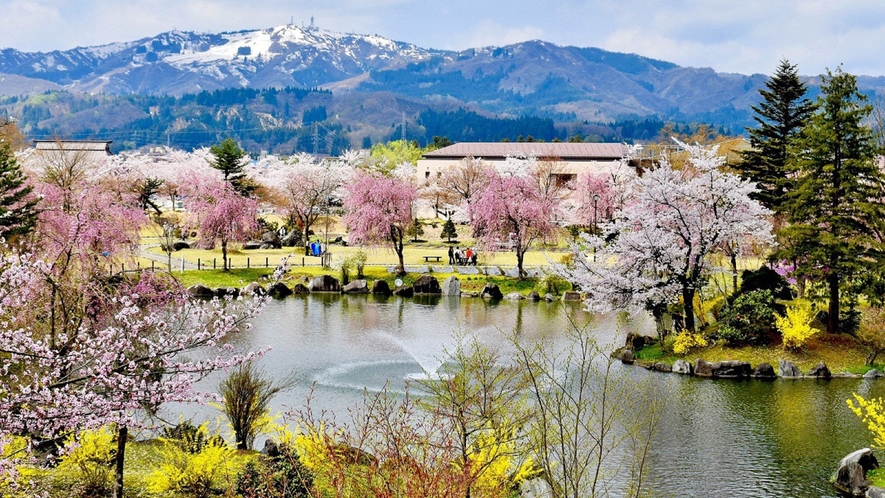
(192, 438)
(554, 284)
(749, 319)
(275, 476)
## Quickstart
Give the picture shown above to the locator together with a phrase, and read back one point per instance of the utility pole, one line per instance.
(404, 127)
(316, 139)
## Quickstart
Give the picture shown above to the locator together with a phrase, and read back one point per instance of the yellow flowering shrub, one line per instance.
(685, 341)
(195, 473)
(796, 326)
(872, 413)
(90, 457)
(496, 454)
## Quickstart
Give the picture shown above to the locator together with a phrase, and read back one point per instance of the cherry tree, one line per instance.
(218, 212)
(379, 210)
(465, 179)
(511, 211)
(114, 360)
(657, 250)
(599, 194)
(84, 347)
(308, 186)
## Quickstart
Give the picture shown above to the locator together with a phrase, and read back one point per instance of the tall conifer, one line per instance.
(836, 207)
(229, 159)
(781, 115)
(18, 208)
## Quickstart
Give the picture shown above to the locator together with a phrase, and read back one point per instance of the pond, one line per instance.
(747, 438)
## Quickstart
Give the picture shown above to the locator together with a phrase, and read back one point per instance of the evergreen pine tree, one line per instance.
(781, 115)
(836, 207)
(18, 208)
(229, 159)
(448, 230)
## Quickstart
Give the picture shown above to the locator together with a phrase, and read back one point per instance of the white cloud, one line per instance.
(488, 32)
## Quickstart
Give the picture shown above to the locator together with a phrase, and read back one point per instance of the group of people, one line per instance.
(460, 257)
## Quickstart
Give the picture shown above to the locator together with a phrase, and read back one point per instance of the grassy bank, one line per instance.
(840, 352)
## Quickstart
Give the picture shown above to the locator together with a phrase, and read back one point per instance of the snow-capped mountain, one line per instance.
(180, 61)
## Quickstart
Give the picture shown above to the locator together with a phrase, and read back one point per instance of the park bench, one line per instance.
(435, 258)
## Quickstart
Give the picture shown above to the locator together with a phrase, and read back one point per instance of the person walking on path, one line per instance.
(451, 255)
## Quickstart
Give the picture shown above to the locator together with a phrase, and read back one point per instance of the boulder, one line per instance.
(381, 287)
(404, 291)
(251, 245)
(549, 297)
(324, 283)
(356, 287)
(451, 286)
(533, 296)
(637, 341)
(177, 246)
(763, 371)
(875, 492)
(300, 289)
(851, 476)
(200, 291)
(292, 239)
(279, 290)
(492, 291)
(227, 291)
(271, 239)
(628, 356)
(788, 369)
(682, 367)
(662, 367)
(254, 289)
(872, 374)
(731, 369)
(426, 284)
(514, 296)
(820, 371)
(271, 448)
(571, 296)
(703, 368)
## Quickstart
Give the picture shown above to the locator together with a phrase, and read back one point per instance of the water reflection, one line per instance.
(750, 438)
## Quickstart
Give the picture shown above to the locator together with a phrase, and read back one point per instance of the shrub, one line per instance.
(796, 326)
(195, 474)
(448, 231)
(765, 279)
(554, 284)
(247, 394)
(685, 341)
(749, 319)
(278, 476)
(192, 438)
(871, 413)
(90, 456)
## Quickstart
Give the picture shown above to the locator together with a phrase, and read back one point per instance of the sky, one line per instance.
(749, 36)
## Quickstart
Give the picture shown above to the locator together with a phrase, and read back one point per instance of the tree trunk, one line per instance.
(307, 240)
(224, 255)
(122, 434)
(734, 272)
(520, 257)
(688, 308)
(833, 310)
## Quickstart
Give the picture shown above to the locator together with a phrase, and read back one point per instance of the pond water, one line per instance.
(747, 438)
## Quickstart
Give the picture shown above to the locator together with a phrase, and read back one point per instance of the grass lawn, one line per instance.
(840, 352)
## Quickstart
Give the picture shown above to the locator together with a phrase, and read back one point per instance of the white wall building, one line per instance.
(570, 158)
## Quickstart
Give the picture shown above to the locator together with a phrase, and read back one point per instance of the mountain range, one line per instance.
(367, 86)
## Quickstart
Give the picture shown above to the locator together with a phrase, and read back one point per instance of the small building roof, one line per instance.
(561, 150)
(74, 145)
